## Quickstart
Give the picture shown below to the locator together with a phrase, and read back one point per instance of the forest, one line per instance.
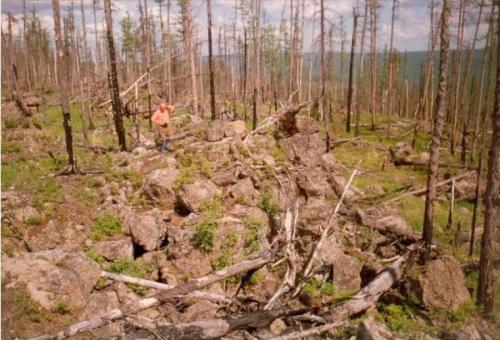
(250, 169)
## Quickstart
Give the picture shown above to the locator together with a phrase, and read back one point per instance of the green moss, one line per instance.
(205, 234)
(105, 225)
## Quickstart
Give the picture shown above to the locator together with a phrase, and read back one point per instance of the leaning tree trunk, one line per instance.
(115, 89)
(432, 175)
(492, 200)
(63, 88)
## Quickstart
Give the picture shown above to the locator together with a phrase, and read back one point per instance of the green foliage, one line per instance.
(186, 176)
(205, 234)
(268, 204)
(278, 154)
(242, 149)
(93, 255)
(243, 200)
(212, 207)
(129, 267)
(9, 122)
(252, 238)
(9, 249)
(11, 147)
(24, 306)
(316, 288)
(105, 225)
(33, 220)
(206, 167)
(225, 258)
(62, 307)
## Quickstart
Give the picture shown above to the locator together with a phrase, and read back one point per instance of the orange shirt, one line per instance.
(161, 118)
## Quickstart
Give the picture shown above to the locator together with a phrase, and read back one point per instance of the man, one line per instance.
(161, 119)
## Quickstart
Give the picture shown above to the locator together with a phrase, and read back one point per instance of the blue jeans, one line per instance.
(166, 146)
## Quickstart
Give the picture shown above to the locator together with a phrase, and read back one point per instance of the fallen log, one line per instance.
(215, 328)
(310, 332)
(101, 320)
(370, 294)
(422, 191)
(163, 286)
(204, 281)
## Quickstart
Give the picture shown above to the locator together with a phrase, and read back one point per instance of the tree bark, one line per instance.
(485, 296)
(373, 60)
(63, 88)
(361, 70)
(187, 21)
(350, 91)
(115, 88)
(211, 61)
(438, 129)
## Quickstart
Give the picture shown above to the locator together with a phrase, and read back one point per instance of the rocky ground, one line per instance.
(226, 195)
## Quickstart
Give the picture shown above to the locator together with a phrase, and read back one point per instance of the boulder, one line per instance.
(277, 327)
(440, 284)
(53, 276)
(235, 128)
(401, 153)
(244, 188)
(313, 182)
(369, 329)
(146, 230)
(159, 184)
(192, 196)
(306, 125)
(346, 268)
(48, 238)
(223, 177)
(314, 215)
(338, 183)
(215, 131)
(330, 164)
(99, 303)
(305, 148)
(114, 249)
(201, 310)
(468, 332)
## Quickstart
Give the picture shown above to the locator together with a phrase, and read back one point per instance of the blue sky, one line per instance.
(410, 32)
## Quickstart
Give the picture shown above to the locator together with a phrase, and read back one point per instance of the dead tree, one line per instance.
(350, 91)
(390, 71)
(210, 60)
(432, 176)
(63, 89)
(187, 23)
(373, 60)
(257, 88)
(485, 294)
(321, 99)
(361, 70)
(113, 79)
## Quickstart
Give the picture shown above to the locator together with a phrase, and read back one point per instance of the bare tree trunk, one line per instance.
(86, 69)
(169, 63)
(458, 67)
(373, 60)
(361, 70)
(391, 71)
(438, 129)
(245, 71)
(350, 91)
(115, 88)
(188, 30)
(485, 296)
(257, 88)
(63, 88)
(477, 203)
(210, 61)
(321, 99)
(311, 58)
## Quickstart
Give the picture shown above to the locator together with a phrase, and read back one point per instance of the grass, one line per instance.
(95, 256)
(253, 234)
(105, 225)
(24, 306)
(204, 236)
(278, 154)
(134, 268)
(33, 220)
(316, 288)
(268, 204)
(62, 307)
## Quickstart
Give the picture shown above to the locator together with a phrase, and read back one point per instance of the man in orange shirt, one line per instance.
(161, 119)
